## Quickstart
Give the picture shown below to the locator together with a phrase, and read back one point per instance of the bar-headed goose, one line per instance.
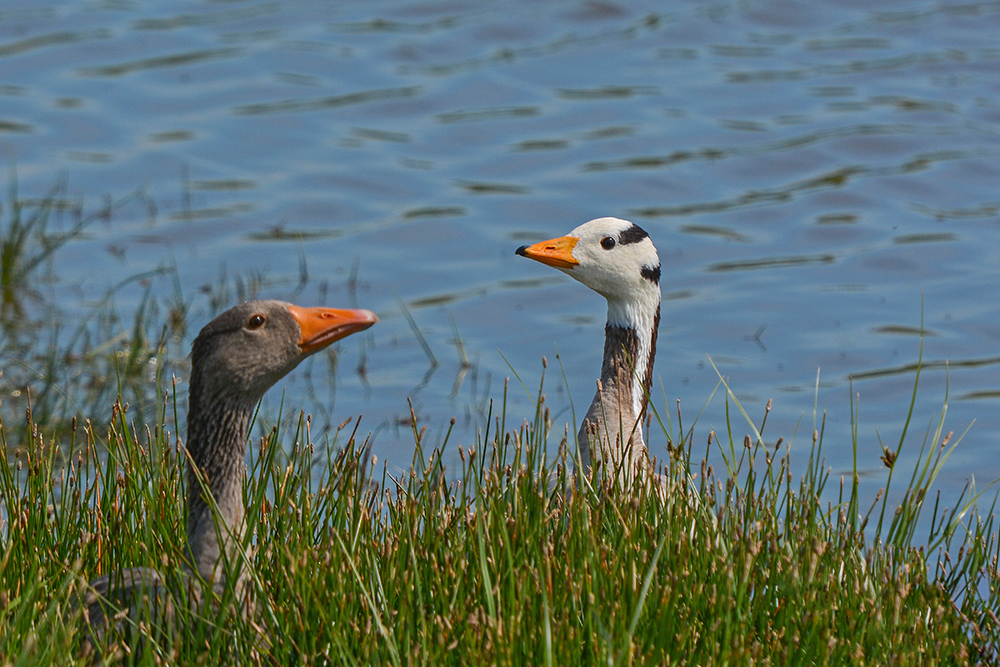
(616, 259)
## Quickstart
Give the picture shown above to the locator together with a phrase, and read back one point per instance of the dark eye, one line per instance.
(608, 242)
(256, 321)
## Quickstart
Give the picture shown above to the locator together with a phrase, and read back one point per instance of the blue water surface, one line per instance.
(819, 178)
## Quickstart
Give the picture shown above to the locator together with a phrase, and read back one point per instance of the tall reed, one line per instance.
(486, 551)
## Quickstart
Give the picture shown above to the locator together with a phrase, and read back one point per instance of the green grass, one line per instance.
(749, 556)
(469, 558)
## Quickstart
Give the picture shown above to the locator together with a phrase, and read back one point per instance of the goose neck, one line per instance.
(217, 436)
(630, 344)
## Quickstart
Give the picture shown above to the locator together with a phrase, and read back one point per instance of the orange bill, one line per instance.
(322, 326)
(554, 252)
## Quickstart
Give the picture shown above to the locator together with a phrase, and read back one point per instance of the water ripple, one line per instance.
(15, 126)
(188, 58)
(51, 39)
(298, 106)
(207, 19)
(479, 115)
(771, 263)
(750, 150)
(606, 92)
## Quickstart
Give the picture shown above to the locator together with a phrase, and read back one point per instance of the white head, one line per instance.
(613, 257)
(616, 259)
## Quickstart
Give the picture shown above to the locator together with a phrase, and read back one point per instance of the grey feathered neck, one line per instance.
(218, 423)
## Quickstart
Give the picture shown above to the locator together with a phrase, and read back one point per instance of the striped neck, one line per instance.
(634, 348)
(611, 432)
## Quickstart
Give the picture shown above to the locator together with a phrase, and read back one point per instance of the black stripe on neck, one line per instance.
(633, 234)
(651, 274)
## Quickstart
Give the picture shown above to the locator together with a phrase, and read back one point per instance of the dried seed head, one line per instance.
(888, 457)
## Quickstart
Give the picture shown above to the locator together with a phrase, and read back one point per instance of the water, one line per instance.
(817, 177)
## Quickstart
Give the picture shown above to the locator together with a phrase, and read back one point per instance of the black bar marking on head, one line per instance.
(651, 274)
(633, 234)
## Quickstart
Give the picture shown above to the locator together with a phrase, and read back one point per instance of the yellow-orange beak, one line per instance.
(554, 252)
(322, 326)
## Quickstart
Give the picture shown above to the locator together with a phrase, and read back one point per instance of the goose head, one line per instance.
(247, 349)
(613, 257)
(616, 259)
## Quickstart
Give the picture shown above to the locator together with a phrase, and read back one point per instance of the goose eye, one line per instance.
(256, 321)
(608, 242)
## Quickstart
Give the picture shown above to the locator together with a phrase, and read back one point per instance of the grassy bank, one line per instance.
(469, 558)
